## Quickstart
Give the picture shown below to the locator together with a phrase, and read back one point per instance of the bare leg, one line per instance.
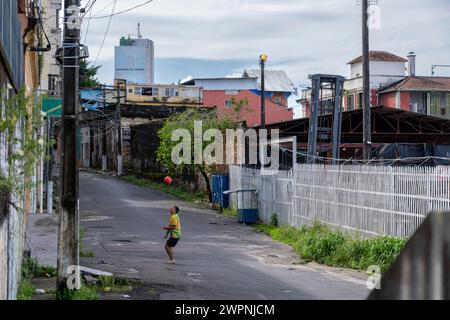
(169, 251)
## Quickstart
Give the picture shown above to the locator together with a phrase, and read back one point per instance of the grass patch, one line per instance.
(30, 270)
(173, 190)
(230, 212)
(26, 290)
(84, 254)
(111, 284)
(337, 249)
(86, 292)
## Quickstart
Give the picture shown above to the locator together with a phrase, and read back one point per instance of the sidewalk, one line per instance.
(42, 238)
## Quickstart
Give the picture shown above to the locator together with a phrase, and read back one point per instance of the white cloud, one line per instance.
(302, 37)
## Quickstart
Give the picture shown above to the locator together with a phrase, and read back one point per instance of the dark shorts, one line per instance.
(172, 242)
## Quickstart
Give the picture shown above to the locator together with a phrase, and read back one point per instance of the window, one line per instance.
(350, 102)
(171, 92)
(228, 104)
(154, 92)
(138, 91)
(360, 98)
(130, 90)
(277, 100)
(435, 101)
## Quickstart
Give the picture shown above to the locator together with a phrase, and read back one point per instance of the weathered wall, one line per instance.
(274, 112)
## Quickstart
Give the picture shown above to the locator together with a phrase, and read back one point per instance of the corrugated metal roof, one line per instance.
(224, 83)
(380, 56)
(275, 80)
(420, 84)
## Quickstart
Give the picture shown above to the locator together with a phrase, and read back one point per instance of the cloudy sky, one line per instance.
(212, 38)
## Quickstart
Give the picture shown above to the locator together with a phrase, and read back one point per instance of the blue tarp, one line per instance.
(92, 99)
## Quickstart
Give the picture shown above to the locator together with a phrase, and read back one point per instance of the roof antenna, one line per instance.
(139, 31)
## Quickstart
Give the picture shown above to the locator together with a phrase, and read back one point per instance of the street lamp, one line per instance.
(262, 61)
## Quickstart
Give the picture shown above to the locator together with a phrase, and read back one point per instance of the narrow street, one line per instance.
(217, 258)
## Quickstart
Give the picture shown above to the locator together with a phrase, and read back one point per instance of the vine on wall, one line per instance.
(21, 121)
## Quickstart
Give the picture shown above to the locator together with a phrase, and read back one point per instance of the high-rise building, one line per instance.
(134, 60)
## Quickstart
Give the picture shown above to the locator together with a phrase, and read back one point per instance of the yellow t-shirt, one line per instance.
(175, 221)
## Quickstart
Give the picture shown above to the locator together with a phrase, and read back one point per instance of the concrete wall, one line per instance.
(382, 68)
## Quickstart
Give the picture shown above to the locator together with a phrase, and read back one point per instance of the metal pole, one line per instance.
(367, 135)
(68, 239)
(263, 94)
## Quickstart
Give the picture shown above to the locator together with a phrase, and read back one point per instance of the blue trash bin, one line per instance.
(247, 205)
(220, 184)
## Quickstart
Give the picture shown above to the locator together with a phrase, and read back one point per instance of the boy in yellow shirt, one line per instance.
(174, 230)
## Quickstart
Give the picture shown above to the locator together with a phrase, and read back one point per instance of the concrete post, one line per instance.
(50, 197)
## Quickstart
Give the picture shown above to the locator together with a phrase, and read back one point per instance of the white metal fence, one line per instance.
(374, 200)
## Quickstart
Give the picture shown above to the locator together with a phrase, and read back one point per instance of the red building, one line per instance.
(427, 95)
(219, 93)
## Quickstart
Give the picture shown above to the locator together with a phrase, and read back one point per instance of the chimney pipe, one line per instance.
(411, 64)
(139, 31)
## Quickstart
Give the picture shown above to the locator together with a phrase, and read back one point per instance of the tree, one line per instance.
(238, 107)
(186, 121)
(88, 75)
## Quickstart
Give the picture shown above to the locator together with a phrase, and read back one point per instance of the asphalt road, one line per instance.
(217, 258)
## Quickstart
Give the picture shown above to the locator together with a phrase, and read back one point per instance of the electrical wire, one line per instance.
(106, 33)
(121, 12)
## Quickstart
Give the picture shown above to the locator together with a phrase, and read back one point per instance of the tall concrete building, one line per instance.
(135, 60)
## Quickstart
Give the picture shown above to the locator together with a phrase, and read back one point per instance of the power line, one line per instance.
(124, 11)
(106, 33)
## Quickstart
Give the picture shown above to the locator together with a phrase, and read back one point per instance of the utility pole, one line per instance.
(68, 235)
(262, 60)
(367, 130)
(104, 153)
(119, 136)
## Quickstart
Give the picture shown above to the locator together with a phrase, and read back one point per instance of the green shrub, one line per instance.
(85, 293)
(274, 220)
(335, 248)
(26, 290)
(171, 189)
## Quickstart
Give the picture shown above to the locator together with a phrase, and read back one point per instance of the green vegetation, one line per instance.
(86, 292)
(26, 290)
(24, 112)
(84, 254)
(274, 220)
(181, 127)
(230, 212)
(88, 75)
(106, 284)
(30, 270)
(111, 284)
(334, 248)
(173, 190)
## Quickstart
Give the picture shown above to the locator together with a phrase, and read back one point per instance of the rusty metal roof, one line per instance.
(419, 84)
(380, 56)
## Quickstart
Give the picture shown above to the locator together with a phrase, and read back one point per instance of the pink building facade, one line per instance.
(219, 93)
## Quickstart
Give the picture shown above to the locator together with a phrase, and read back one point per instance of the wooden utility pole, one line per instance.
(119, 136)
(68, 241)
(367, 130)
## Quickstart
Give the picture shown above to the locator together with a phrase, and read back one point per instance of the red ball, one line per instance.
(168, 180)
